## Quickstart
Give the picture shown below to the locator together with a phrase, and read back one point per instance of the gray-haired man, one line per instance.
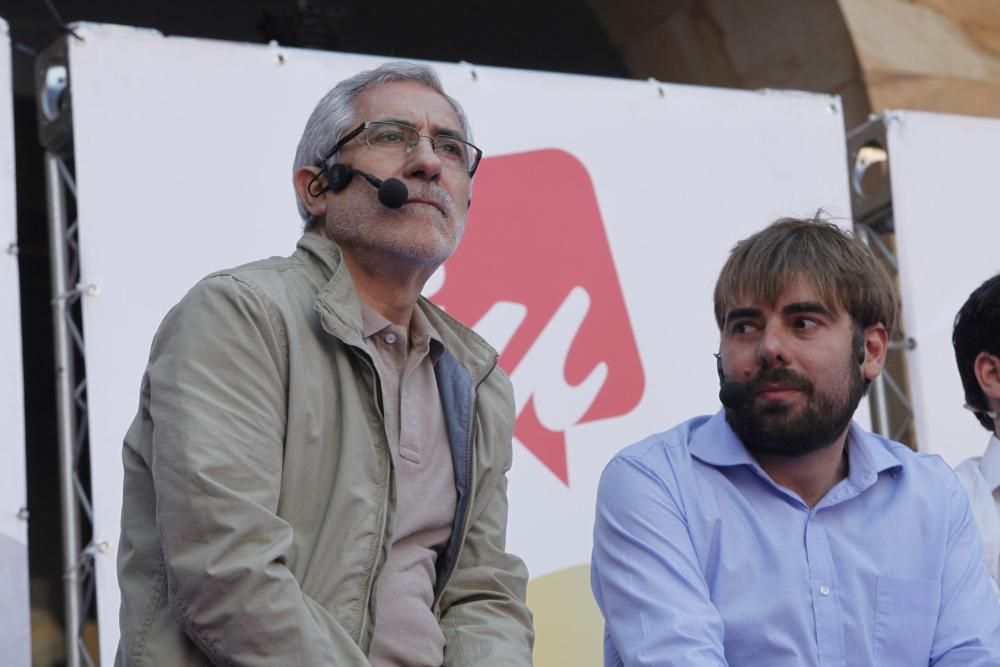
(317, 472)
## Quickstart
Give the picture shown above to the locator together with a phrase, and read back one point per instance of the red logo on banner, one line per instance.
(534, 275)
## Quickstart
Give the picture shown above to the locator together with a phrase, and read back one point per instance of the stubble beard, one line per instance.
(777, 428)
(376, 235)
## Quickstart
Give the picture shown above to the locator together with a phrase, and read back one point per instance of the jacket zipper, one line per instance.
(382, 519)
(470, 471)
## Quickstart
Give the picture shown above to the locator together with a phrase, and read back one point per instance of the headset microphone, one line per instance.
(392, 192)
(733, 394)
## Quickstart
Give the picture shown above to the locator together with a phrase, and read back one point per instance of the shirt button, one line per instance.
(824, 590)
(390, 338)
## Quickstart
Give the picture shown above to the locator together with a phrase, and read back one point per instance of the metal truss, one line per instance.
(871, 203)
(55, 131)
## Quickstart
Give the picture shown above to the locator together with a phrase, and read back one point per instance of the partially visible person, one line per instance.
(976, 338)
(777, 532)
(316, 475)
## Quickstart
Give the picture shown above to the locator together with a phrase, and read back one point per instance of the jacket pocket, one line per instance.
(906, 612)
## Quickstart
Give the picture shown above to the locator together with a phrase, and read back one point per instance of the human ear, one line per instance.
(875, 344)
(987, 370)
(310, 185)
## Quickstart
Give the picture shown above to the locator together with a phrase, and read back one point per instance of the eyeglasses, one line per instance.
(398, 138)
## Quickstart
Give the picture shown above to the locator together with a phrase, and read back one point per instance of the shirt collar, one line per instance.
(372, 321)
(421, 330)
(989, 465)
(716, 444)
(867, 456)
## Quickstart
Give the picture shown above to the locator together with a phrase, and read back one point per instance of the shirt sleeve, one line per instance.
(968, 628)
(218, 403)
(646, 575)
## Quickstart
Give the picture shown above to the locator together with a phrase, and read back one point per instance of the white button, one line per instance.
(390, 338)
(824, 590)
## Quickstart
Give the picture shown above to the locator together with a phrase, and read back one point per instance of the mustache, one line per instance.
(780, 376)
(435, 194)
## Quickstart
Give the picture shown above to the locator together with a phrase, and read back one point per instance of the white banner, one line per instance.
(603, 212)
(944, 172)
(15, 626)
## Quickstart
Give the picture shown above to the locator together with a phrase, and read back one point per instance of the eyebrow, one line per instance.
(397, 121)
(791, 309)
(446, 131)
(741, 313)
(808, 307)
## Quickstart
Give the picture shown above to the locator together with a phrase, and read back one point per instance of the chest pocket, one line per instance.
(906, 612)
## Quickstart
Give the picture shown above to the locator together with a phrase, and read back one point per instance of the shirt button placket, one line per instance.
(825, 607)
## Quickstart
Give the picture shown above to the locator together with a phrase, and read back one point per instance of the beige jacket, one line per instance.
(259, 489)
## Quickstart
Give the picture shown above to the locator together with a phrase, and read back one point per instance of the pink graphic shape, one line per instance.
(534, 234)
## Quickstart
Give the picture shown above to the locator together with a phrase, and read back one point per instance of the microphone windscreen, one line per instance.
(733, 394)
(393, 193)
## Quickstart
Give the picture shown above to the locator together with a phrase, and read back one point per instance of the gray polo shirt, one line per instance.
(406, 630)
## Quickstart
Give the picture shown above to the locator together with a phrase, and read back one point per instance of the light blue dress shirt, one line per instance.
(701, 560)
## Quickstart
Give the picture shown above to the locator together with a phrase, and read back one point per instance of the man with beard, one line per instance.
(317, 472)
(777, 532)
(976, 338)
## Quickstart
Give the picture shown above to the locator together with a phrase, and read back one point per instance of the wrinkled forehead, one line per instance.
(411, 103)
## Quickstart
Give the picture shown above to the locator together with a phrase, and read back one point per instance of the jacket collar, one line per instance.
(337, 304)
(339, 309)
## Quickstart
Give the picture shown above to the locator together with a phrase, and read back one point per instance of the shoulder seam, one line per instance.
(271, 311)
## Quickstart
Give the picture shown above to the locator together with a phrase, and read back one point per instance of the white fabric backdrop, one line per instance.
(183, 155)
(15, 627)
(944, 173)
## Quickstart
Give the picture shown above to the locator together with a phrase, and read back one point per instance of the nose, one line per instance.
(422, 162)
(772, 351)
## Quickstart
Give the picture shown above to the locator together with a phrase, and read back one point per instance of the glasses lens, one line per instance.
(391, 136)
(395, 137)
(453, 150)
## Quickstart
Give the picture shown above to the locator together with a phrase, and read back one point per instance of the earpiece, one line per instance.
(337, 176)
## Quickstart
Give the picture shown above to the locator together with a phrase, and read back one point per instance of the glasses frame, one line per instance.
(367, 124)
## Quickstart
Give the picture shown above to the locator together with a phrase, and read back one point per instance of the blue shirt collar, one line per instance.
(716, 444)
(868, 456)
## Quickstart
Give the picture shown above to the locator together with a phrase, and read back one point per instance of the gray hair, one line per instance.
(334, 115)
